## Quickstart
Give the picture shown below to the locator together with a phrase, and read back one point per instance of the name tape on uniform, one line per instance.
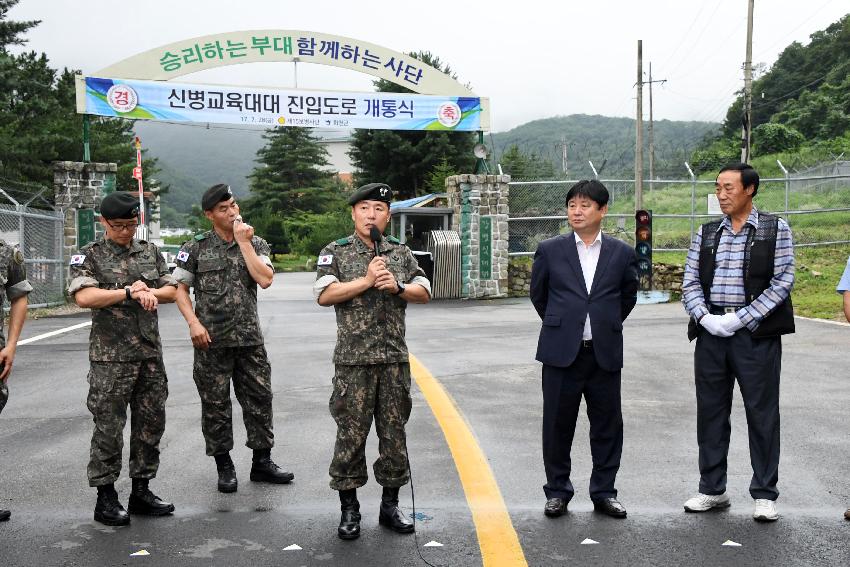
(325, 260)
(77, 259)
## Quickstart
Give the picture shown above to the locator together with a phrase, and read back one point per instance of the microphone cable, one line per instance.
(413, 505)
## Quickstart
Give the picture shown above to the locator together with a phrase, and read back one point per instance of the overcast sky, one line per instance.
(533, 58)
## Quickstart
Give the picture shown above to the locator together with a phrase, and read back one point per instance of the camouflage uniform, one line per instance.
(372, 374)
(13, 284)
(226, 304)
(126, 359)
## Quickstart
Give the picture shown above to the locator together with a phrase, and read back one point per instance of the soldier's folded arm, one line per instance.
(88, 296)
(338, 292)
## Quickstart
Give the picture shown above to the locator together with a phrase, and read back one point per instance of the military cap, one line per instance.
(215, 195)
(120, 205)
(372, 192)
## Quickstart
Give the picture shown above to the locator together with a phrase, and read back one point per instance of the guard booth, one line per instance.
(423, 224)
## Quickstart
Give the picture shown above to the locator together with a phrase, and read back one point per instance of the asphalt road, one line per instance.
(483, 354)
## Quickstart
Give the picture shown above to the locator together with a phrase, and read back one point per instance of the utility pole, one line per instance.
(639, 131)
(651, 129)
(748, 89)
(564, 162)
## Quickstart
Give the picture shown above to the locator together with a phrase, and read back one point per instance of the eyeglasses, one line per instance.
(123, 227)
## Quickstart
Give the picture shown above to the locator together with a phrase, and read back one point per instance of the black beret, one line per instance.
(372, 192)
(120, 205)
(215, 195)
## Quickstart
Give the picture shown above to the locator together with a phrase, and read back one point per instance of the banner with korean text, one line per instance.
(181, 102)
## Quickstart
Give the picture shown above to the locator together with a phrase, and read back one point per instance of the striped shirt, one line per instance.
(727, 287)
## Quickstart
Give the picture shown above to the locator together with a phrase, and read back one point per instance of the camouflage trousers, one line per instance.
(360, 392)
(112, 387)
(250, 371)
(4, 394)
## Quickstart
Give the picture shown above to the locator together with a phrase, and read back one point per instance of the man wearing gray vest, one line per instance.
(737, 290)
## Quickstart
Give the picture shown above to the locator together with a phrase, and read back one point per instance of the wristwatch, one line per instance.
(401, 287)
(127, 291)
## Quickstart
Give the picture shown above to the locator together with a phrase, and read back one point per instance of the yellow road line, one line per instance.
(496, 535)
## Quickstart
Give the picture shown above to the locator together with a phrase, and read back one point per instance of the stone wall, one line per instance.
(667, 277)
(78, 185)
(474, 197)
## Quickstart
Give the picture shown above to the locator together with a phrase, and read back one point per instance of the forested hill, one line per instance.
(608, 142)
(807, 89)
(192, 158)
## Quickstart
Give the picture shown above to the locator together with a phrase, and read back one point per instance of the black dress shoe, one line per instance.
(555, 507)
(5, 515)
(264, 469)
(108, 509)
(146, 503)
(610, 507)
(390, 515)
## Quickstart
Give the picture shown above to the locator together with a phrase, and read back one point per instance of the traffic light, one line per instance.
(643, 248)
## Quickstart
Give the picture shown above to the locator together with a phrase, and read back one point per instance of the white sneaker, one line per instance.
(765, 511)
(704, 502)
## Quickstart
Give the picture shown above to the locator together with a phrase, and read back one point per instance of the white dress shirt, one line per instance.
(588, 256)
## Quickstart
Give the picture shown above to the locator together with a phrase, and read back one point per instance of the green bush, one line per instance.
(308, 233)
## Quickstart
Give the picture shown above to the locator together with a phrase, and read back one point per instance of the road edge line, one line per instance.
(497, 537)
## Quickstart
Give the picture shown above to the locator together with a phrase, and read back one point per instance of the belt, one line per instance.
(722, 309)
(586, 343)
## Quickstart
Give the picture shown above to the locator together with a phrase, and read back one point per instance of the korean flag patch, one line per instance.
(182, 256)
(325, 260)
(77, 259)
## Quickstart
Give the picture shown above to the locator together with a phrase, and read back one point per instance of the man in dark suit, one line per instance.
(583, 286)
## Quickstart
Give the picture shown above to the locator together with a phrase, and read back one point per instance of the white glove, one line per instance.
(731, 322)
(714, 325)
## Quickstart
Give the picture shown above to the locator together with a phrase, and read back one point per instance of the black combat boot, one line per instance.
(5, 515)
(349, 521)
(226, 473)
(391, 515)
(108, 509)
(146, 503)
(263, 469)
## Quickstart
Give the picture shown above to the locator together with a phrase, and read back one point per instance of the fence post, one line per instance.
(787, 186)
(693, 197)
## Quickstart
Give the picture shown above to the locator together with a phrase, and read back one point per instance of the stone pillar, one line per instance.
(480, 204)
(78, 185)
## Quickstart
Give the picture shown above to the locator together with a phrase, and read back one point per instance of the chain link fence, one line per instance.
(38, 233)
(816, 205)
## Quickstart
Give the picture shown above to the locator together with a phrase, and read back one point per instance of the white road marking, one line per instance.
(54, 333)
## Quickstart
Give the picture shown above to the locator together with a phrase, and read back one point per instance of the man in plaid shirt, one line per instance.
(737, 286)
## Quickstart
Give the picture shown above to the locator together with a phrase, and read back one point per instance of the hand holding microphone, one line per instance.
(242, 231)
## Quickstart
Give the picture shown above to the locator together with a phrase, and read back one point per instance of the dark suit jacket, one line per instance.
(560, 297)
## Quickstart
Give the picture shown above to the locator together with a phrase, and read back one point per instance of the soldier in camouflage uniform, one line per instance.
(15, 287)
(225, 265)
(122, 280)
(372, 374)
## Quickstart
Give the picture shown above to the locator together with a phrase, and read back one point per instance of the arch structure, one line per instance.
(439, 103)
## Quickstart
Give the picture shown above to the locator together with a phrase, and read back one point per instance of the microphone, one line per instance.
(376, 237)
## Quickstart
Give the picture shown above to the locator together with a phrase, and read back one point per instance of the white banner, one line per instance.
(182, 102)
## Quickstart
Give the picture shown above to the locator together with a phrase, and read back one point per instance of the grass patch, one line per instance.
(293, 263)
(818, 269)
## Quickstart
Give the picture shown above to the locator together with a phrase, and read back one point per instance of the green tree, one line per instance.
(10, 31)
(771, 138)
(435, 181)
(38, 119)
(527, 167)
(289, 177)
(404, 159)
